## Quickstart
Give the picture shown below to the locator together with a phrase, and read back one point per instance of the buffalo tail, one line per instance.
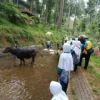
(40, 53)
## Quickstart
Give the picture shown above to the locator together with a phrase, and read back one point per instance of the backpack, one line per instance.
(90, 51)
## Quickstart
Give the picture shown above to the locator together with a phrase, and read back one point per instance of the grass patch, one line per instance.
(96, 75)
(73, 91)
(95, 60)
(92, 71)
(95, 90)
(30, 33)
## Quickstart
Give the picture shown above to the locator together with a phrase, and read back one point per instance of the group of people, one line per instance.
(73, 53)
(70, 59)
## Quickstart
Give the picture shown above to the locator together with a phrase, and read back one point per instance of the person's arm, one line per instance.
(72, 52)
(59, 70)
(60, 65)
(84, 45)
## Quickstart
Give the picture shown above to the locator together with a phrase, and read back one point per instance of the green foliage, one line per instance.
(73, 91)
(82, 25)
(12, 13)
(96, 60)
(35, 19)
(91, 69)
(10, 38)
(34, 32)
(94, 28)
(50, 5)
(9, 10)
(94, 42)
(95, 90)
(0, 36)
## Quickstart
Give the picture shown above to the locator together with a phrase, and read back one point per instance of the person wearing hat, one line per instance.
(86, 50)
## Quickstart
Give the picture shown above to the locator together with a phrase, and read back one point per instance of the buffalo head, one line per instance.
(7, 49)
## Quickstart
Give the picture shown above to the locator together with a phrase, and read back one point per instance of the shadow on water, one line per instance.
(25, 82)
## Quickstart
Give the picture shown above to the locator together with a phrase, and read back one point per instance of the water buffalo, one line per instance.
(21, 53)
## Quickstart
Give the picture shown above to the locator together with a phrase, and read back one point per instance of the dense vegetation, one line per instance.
(49, 15)
(16, 26)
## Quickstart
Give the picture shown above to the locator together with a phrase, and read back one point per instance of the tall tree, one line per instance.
(37, 6)
(30, 2)
(60, 13)
(56, 11)
(91, 9)
(49, 8)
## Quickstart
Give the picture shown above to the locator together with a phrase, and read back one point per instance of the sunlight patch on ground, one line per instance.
(45, 49)
(52, 52)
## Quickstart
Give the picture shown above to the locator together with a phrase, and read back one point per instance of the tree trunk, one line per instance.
(60, 13)
(46, 13)
(74, 23)
(42, 9)
(31, 5)
(69, 13)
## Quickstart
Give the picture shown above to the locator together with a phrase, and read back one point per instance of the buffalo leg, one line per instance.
(33, 59)
(22, 60)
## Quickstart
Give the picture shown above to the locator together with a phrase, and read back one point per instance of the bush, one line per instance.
(0, 36)
(10, 38)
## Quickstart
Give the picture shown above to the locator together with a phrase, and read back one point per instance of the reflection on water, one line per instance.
(25, 82)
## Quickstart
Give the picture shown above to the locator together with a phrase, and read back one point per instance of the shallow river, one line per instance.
(27, 82)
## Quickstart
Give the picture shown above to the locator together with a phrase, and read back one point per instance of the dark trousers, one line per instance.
(48, 46)
(87, 58)
(75, 67)
(64, 85)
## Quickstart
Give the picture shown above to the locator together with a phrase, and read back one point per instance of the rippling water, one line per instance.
(27, 82)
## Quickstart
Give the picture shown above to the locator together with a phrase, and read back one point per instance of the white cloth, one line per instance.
(57, 92)
(76, 47)
(69, 41)
(66, 38)
(48, 42)
(66, 60)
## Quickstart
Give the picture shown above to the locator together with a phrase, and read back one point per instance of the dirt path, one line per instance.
(81, 86)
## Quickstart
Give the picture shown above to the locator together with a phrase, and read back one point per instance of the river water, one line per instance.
(27, 82)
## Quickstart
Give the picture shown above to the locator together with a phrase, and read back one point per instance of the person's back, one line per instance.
(48, 43)
(65, 65)
(66, 56)
(88, 46)
(86, 51)
(76, 53)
